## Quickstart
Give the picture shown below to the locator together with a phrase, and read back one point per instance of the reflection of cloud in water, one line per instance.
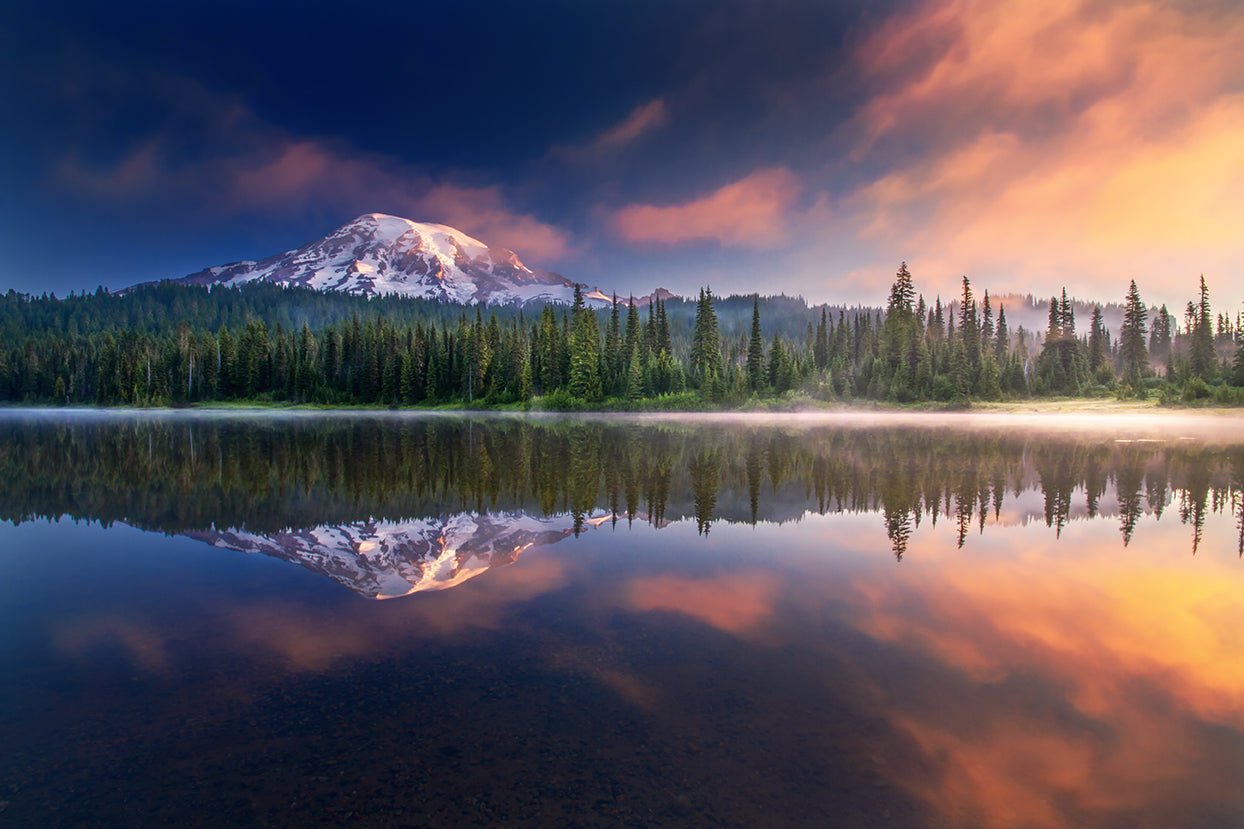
(1073, 679)
(734, 602)
(291, 635)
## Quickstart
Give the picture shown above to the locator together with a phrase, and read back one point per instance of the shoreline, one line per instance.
(1048, 406)
(1020, 408)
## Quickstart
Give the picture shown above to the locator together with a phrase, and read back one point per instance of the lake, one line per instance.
(430, 620)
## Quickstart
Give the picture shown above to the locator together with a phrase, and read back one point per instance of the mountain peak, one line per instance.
(377, 254)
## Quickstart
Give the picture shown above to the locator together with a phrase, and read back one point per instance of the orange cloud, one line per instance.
(1069, 141)
(756, 211)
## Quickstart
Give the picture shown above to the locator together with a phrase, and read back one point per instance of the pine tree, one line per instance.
(1203, 360)
(1002, 337)
(705, 339)
(631, 341)
(614, 356)
(584, 352)
(635, 377)
(820, 348)
(969, 327)
(756, 350)
(1160, 333)
(986, 323)
(1133, 356)
(1097, 341)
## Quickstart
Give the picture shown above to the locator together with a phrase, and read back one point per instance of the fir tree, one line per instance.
(1096, 341)
(1202, 358)
(756, 350)
(1133, 356)
(705, 339)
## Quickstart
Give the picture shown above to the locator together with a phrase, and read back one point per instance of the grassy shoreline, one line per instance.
(1069, 406)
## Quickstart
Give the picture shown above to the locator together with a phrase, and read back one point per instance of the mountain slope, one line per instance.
(380, 254)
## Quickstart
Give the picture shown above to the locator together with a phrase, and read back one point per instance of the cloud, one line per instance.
(642, 119)
(757, 211)
(1073, 142)
(251, 168)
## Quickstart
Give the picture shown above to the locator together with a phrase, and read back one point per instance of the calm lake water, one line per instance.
(211, 619)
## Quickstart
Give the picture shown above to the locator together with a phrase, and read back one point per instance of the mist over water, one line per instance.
(853, 619)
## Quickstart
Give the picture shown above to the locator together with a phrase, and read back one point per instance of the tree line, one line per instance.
(155, 346)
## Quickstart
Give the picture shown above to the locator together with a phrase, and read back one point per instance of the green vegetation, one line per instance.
(181, 345)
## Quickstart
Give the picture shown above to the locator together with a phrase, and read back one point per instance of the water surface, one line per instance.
(433, 620)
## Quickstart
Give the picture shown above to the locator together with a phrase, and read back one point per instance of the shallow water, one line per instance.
(620, 621)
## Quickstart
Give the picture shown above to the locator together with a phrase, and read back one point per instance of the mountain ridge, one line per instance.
(380, 254)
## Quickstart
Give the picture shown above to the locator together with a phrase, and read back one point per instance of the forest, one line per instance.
(167, 344)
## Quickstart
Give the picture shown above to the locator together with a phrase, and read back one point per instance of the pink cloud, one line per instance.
(756, 211)
(257, 168)
(641, 120)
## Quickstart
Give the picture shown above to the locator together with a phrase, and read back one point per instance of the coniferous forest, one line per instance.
(170, 344)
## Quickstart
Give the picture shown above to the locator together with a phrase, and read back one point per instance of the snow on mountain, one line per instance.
(378, 254)
(388, 559)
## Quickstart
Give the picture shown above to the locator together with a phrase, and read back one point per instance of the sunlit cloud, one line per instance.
(642, 120)
(254, 168)
(1066, 143)
(756, 211)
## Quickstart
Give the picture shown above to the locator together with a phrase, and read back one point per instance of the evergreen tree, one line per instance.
(705, 339)
(756, 350)
(614, 356)
(1097, 341)
(969, 329)
(1133, 356)
(1002, 337)
(631, 341)
(820, 348)
(584, 352)
(1202, 358)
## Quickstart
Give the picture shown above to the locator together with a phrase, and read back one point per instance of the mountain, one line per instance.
(388, 559)
(380, 254)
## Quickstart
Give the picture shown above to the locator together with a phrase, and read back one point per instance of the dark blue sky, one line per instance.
(797, 146)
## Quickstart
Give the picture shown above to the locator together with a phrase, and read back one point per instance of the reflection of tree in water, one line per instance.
(1128, 481)
(177, 474)
(1193, 497)
(705, 479)
(754, 474)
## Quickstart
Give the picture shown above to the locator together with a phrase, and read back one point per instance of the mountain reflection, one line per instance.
(806, 624)
(389, 505)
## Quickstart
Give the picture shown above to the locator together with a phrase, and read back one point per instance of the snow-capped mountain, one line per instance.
(387, 559)
(379, 254)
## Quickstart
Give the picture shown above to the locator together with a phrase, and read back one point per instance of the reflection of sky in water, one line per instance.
(786, 673)
(1024, 678)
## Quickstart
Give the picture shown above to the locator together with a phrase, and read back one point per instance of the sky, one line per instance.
(781, 147)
